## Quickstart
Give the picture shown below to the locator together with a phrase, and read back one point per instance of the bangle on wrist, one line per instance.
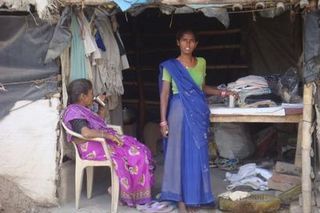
(163, 123)
(223, 93)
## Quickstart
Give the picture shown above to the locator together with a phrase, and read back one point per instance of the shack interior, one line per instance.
(251, 44)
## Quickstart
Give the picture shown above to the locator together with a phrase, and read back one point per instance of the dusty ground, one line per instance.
(12, 200)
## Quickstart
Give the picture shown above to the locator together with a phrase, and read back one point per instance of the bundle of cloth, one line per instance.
(254, 91)
(249, 175)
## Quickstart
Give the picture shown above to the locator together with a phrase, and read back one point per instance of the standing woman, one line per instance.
(185, 122)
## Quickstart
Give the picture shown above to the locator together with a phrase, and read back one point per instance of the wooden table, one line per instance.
(292, 116)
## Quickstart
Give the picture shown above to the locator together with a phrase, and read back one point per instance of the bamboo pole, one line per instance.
(306, 147)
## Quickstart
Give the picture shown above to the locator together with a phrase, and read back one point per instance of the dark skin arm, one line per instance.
(164, 99)
(209, 90)
(92, 133)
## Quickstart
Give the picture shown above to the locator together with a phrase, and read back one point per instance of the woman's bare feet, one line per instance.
(182, 207)
(191, 209)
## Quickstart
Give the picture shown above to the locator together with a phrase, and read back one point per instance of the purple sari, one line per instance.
(132, 160)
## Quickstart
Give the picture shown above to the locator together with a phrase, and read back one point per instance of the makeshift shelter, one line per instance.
(265, 56)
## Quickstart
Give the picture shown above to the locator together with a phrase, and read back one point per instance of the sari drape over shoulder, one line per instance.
(132, 160)
(187, 145)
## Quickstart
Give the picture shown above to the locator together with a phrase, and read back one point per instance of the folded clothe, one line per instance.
(243, 94)
(262, 97)
(260, 104)
(248, 82)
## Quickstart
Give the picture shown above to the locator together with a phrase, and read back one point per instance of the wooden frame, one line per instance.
(295, 118)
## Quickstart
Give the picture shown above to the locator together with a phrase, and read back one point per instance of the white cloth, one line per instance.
(109, 68)
(248, 82)
(236, 195)
(90, 45)
(265, 111)
(249, 175)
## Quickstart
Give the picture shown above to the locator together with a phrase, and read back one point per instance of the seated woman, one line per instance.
(132, 160)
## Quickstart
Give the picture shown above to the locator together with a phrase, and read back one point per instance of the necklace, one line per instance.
(185, 64)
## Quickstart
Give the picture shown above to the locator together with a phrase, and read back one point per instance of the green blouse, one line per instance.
(197, 73)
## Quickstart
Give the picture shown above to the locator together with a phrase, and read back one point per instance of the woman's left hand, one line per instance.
(233, 93)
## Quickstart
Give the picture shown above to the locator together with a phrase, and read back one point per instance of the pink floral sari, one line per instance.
(132, 160)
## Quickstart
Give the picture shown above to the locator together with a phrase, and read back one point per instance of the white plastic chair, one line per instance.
(89, 164)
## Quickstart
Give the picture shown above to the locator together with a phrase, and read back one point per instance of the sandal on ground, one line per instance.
(212, 164)
(227, 164)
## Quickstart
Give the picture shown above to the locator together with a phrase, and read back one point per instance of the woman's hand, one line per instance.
(101, 106)
(164, 129)
(102, 97)
(233, 93)
(117, 140)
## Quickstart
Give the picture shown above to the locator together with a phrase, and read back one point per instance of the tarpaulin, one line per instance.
(24, 43)
(274, 44)
(311, 71)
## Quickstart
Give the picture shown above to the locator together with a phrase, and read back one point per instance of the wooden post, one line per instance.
(306, 147)
(141, 103)
(298, 157)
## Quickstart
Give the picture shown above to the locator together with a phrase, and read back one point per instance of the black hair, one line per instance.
(181, 32)
(76, 88)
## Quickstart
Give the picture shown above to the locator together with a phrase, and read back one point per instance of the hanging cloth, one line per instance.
(108, 71)
(79, 63)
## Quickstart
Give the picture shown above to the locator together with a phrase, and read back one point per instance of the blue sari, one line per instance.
(186, 171)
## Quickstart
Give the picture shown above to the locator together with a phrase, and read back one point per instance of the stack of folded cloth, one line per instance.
(254, 92)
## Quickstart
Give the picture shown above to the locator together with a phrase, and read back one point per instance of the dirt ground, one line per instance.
(13, 200)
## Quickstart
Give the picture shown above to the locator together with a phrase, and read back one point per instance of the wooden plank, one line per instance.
(153, 103)
(282, 178)
(227, 66)
(130, 83)
(306, 147)
(256, 118)
(200, 33)
(150, 84)
(280, 186)
(283, 182)
(209, 67)
(138, 63)
(287, 168)
(211, 47)
(130, 101)
(292, 194)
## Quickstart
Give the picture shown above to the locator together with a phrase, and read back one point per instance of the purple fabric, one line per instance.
(132, 160)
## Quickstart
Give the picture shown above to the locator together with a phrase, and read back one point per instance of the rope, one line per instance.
(36, 82)
(2, 88)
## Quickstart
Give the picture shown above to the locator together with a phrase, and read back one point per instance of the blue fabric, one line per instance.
(193, 100)
(126, 4)
(186, 174)
(99, 41)
(79, 66)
